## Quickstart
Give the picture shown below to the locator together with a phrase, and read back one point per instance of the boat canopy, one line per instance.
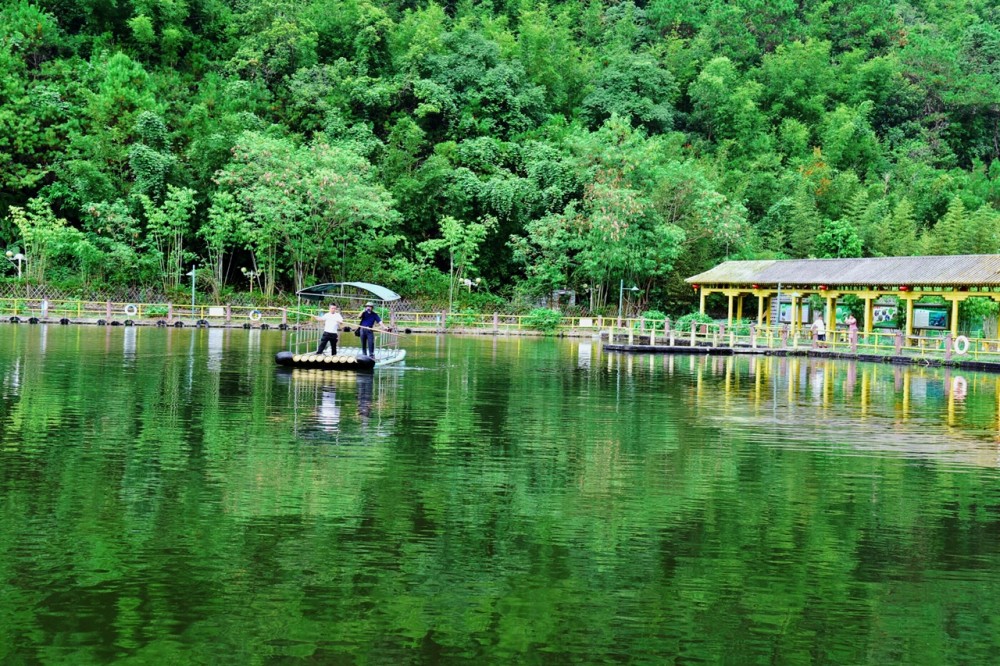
(352, 291)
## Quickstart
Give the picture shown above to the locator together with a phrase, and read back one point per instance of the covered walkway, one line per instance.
(953, 278)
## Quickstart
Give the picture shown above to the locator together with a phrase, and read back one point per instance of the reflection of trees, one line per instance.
(523, 510)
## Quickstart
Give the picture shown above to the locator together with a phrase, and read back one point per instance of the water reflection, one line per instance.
(497, 500)
(215, 349)
(914, 411)
(366, 385)
(130, 338)
(318, 398)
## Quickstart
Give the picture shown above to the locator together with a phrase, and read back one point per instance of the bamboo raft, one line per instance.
(349, 359)
(357, 363)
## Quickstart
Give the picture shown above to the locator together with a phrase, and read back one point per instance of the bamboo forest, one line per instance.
(530, 146)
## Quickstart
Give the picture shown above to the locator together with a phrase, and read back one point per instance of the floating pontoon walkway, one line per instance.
(991, 364)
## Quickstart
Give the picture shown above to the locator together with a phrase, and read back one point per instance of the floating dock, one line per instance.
(895, 359)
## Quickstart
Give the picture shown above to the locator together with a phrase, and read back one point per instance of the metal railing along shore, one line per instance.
(636, 331)
(90, 311)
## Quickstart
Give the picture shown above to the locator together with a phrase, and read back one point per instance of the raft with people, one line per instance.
(309, 346)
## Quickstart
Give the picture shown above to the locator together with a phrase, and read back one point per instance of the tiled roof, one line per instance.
(953, 270)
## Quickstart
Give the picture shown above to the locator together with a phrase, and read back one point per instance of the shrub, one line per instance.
(684, 322)
(742, 326)
(465, 317)
(543, 319)
(654, 318)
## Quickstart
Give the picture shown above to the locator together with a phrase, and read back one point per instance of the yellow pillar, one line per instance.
(909, 321)
(795, 314)
(739, 307)
(701, 300)
(869, 314)
(760, 311)
(730, 312)
(954, 318)
(831, 316)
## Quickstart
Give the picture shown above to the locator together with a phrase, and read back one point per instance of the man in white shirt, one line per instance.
(819, 331)
(331, 327)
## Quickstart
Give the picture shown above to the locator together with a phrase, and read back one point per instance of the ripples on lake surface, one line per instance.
(171, 496)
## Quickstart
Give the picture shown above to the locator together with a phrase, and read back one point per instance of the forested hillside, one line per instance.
(534, 146)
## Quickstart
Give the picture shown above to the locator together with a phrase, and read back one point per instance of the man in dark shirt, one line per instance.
(369, 318)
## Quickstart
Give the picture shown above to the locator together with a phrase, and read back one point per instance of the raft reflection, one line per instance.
(321, 399)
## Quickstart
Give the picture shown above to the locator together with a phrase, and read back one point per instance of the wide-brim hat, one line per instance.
(369, 304)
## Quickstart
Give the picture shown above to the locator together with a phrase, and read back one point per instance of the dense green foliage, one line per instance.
(535, 146)
(543, 319)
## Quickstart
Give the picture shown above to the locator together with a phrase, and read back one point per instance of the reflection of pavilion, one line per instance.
(817, 402)
(847, 407)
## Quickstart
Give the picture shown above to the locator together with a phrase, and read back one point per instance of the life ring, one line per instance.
(131, 310)
(255, 315)
(961, 345)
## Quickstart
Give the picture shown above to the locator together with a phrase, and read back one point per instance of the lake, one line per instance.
(171, 496)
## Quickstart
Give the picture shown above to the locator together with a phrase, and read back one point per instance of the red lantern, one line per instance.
(695, 287)
(822, 287)
(904, 287)
(756, 286)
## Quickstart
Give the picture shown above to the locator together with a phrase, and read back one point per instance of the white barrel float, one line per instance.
(255, 315)
(131, 310)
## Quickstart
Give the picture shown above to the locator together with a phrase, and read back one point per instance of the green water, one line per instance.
(171, 497)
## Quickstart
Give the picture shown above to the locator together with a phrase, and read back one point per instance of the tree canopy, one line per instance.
(584, 142)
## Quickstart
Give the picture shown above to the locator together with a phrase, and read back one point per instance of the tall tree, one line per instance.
(295, 198)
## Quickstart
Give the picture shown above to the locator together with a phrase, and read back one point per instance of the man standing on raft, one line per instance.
(368, 320)
(331, 326)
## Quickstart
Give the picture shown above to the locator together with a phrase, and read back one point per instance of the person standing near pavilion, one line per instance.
(369, 318)
(852, 323)
(852, 329)
(819, 330)
(332, 321)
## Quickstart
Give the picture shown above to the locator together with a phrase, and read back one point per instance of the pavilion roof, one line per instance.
(949, 270)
